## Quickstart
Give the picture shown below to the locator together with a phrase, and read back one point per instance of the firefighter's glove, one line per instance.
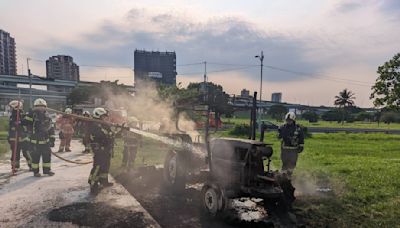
(51, 141)
(301, 148)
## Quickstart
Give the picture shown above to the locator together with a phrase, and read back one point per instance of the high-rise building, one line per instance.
(8, 56)
(245, 93)
(156, 66)
(276, 97)
(62, 67)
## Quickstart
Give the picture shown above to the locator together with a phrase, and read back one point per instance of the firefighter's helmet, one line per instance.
(86, 113)
(290, 116)
(16, 104)
(40, 102)
(99, 112)
(68, 111)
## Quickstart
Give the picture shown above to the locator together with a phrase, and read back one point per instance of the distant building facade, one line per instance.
(8, 56)
(245, 93)
(61, 67)
(276, 97)
(155, 66)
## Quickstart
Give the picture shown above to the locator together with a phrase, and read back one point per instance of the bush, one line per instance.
(277, 112)
(312, 117)
(390, 117)
(334, 115)
(241, 130)
(364, 116)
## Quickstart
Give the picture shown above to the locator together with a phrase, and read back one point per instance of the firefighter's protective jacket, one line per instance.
(13, 129)
(66, 124)
(292, 136)
(39, 126)
(101, 136)
(131, 139)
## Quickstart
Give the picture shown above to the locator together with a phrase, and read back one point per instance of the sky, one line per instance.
(313, 49)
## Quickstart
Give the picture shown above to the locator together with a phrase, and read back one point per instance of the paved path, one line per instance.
(26, 200)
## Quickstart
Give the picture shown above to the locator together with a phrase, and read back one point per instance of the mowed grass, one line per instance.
(150, 153)
(321, 123)
(363, 172)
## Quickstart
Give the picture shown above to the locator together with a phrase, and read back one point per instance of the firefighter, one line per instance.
(132, 142)
(66, 126)
(84, 125)
(102, 143)
(41, 131)
(292, 142)
(17, 135)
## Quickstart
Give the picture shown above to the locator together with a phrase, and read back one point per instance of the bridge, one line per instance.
(56, 99)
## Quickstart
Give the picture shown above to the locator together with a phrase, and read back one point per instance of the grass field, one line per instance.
(321, 123)
(363, 171)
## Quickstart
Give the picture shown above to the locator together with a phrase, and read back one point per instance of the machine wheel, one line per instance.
(174, 171)
(214, 203)
(287, 199)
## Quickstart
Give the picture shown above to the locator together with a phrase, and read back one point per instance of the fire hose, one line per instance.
(70, 161)
(81, 118)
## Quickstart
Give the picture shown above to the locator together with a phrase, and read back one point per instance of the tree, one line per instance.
(277, 112)
(364, 116)
(102, 90)
(333, 115)
(217, 98)
(390, 117)
(345, 99)
(386, 90)
(312, 117)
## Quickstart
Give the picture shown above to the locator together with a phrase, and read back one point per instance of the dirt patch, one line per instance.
(170, 209)
(97, 215)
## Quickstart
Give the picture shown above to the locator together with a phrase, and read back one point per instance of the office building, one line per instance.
(276, 97)
(8, 57)
(155, 66)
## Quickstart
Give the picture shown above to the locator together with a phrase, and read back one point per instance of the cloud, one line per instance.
(219, 40)
(347, 39)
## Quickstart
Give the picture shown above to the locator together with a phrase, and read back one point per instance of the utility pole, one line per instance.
(261, 57)
(30, 82)
(206, 99)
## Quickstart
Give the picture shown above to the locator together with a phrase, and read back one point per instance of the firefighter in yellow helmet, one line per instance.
(102, 143)
(41, 131)
(17, 135)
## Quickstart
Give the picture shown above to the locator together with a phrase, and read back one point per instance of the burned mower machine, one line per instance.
(234, 169)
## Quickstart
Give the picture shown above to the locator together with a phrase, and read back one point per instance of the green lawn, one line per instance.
(321, 123)
(151, 153)
(3, 123)
(363, 171)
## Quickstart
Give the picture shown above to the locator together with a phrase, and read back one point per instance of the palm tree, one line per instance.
(345, 99)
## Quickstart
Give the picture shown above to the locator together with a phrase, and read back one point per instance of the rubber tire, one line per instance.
(211, 208)
(178, 182)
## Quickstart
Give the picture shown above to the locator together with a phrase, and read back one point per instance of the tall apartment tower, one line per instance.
(156, 66)
(276, 97)
(8, 56)
(62, 67)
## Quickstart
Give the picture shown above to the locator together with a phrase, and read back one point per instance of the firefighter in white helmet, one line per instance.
(292, 142)
(132, 142)
(66, 125)
(102, 143)
(41, 131)
(18, 135)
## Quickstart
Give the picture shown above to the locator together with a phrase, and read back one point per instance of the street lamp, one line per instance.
(261, 58)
